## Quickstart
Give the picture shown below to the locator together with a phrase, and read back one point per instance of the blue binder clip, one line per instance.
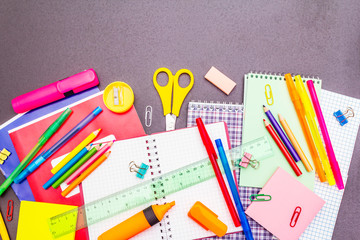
(140, 171)
(342, 117)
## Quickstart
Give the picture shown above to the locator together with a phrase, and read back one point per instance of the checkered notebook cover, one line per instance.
(343, 140)
(232, 114)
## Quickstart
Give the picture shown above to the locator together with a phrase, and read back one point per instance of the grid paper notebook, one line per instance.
(343, 140)
(232, 114)
(163, 152)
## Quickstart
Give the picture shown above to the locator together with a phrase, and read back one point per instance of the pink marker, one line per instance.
(55, 91)
(88, 163)
(329, 149)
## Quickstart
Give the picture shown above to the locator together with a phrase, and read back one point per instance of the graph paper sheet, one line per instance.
(343, 140)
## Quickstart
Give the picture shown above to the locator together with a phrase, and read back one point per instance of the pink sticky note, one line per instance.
(290, 211)
(217, 78)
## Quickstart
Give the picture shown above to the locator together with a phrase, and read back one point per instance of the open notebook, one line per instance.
(163, 152)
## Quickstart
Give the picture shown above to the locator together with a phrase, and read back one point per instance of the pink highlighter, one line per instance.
(55, 91)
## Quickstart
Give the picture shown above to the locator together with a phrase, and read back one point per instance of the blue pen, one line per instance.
(234, 191)
(65, 168)
(42, 158)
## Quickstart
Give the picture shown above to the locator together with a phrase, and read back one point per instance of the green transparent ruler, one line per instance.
(150, 190)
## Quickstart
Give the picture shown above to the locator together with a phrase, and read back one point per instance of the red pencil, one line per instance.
(282, 147)
(212, 156)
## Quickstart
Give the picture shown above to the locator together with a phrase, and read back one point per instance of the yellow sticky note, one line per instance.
(33, 220)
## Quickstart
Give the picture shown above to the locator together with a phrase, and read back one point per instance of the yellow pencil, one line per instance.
(76, 150)
(295, 143)
(3, 232)
(85, 174)
(310, 116)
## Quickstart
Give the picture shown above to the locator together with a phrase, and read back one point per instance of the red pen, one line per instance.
(212, 156)
(283, 149)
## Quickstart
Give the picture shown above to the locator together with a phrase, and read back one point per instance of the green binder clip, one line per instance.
(140, 171)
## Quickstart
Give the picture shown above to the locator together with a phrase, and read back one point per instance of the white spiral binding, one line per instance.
(155, 171)
(215, 106)
(280, 75)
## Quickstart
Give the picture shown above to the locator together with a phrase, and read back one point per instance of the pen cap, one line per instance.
(55, 91)
(207, 219)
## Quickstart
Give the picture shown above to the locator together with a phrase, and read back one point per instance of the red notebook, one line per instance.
(122, 126)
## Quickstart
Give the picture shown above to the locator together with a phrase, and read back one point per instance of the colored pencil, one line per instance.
(89, 162)
(281, 134)
(282, 148)
(76, 150)
(295, 143)
(85, 174)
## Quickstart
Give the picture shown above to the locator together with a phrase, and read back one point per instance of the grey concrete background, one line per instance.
(44, 41)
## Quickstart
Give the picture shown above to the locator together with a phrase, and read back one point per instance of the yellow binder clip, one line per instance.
(4, 154)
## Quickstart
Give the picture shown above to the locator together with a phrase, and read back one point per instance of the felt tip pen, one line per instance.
(234, 191)
(42, 158)
(42, 140)
(212, 157)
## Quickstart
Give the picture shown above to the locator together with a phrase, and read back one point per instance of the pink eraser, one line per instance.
(217, 78)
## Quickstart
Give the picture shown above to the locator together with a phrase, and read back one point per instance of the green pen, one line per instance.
(42, 140)
(86, 157)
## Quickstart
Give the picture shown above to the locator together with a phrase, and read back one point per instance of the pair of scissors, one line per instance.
(172, 90)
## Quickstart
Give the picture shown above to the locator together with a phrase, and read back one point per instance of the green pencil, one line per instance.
(76, 166)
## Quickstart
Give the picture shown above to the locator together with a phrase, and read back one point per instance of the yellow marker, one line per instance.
(3, 232)
(295, 143)
(310, 116)
(76, 150)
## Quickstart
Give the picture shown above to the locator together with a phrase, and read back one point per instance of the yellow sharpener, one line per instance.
(207, 219)
(118, 97)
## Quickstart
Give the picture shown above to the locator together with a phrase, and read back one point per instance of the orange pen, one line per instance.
(301, 116)
(137, 223)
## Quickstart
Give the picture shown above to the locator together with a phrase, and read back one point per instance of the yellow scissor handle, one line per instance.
(165, 92)
(180, 92)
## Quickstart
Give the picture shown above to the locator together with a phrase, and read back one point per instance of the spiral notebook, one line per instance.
(232, 114)
(271, 90)
(163, 152)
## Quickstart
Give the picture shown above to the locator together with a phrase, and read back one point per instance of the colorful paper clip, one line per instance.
(269, 95)
(342, 117)
(148, 116)
(295, 216)
(4, 154)
(260, 198)
(246, 160)
(10, 210)
(140, 171)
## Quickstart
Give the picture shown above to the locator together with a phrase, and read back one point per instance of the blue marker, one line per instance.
(65, 168)
(234, 191)
(42, 158)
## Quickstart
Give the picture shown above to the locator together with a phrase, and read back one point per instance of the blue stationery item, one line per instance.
(45, 155)
(281, 134)
(65, 168)
(234, 191)
(342, 117)
(23, 190)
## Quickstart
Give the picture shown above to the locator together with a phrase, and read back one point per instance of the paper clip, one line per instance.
(295, 216)
(342, 117)
(260, 198)
(4, 154)
(140, 171)
(148, 116)
(270, 96)
(246, 160)
(10, 210)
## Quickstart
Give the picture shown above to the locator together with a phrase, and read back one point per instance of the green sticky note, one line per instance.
(271, 91)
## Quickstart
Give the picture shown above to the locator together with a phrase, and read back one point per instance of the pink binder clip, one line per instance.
(246, 160)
